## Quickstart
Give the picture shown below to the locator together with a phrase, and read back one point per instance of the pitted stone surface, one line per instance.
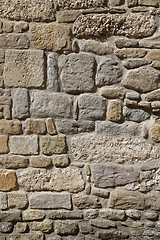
(100, 148)
(78, 4)
(8, 180)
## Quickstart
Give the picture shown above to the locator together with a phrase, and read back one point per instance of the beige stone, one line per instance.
(111, 92)
(40, 162)
(78, 4)
(67, 16)
(152, 96)
(155, 132)
(100, 192)
(84, 202)
(46, 226)
(13, 161)
(116, 215)
(20, 27)
(18, 41)
(8, 180)
(21, 227)
(24, 68)
(35, 126)
(130, 53)
(61, 160)
(51, 129)
(31, 215)
(7, 27)
(53, 145)
(114, 111)
(27, 236)
(66, 227)
(10, 127)
(149, 3)
(4, 144)
(155, 55)
(101, 223)
(156, 65)
(48, 37)
(10, 216)
(17, 200)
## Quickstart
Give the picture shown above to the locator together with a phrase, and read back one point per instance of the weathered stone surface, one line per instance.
(152, 200)
(91, 213)
(114, 3)
(10, 127)
(27, 10)
(132, 25)
(21, 104)
(13, 161)
(82, 201)
(76, 4)
(40, 162)
(2, 55)
(33, 179)
(53, 145)
(155, 104)
(24, 68)
(150, 3)
(50, 201)
(7, 27)
(101, 223)
(18, 41)
(97, 148)
(21, 27)
(58, 37)
(143, 80)
(152, 96)
(61, 160)
(8, 180)
(10, 216)
(35, 126)
(155, 132)
(136, 115)
(131, 64)
(126, 43)
(130, 53)
(151, 215)
(109, 72)
(100, 192)
(156, 65)
(46, 226)
(67, 16)
(31, 215)
(21, 227)
(66, 227)
(123, 199)
(27, 236)
(4, 144)
(114, 111)
(112, 234)
(17, 200)
(51, 129)
(111, 92)
(91, 107)
(24, 145)
(134, 214)
(132, 3)
(6, 227)
(109, 176)
(52, 72)
(130, 103)
(67, 179)
(133, 95)
(61, 214)
(59, 105)
(3, 201)
(84, 76)
(113, 214)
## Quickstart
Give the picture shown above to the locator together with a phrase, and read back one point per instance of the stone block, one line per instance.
(91, 213)
(4, 144)
(114, 111)
(59, 105)
(109, 72)
(17, 200)
(24, 68)
(111, 92)
(132, 3)
(27, 236)
(91, 107)
(61, 160)
(24, 145)
(101, 223)
(21, 227)
(152, 200)
(66, 227)
(116, 215)
(58, 37)
(136, 115)
(21, 104)
(10, 216)
(3, 201)
(149, 3)
(80, 4)
(2, 56)
(3, 41)
(131, 64)
(18, 41)
(31, 215)
(126, 43)
(53, 145)
(50, 201)
(7, 27)
(40, 162)
(130, 53)
(100, 192)
(84, 202)
(84, 76)
(35, 126)
(51, 129)
(133, 214)
(61, 214)
(20, 27)
(67, 16)
(10, 127)
(8, 180)
(13, 161)
(6, 227)
(52, 72)
(46, 226)
(155, 132)
(112, 234)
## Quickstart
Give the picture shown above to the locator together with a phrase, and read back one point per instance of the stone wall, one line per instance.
(79, 119)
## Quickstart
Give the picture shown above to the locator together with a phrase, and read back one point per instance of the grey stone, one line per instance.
(75, 214)
(85, 227)
(153, 216)
(27, 236)
(80, 67)
(21, 104)
(134, 214)
(136, 115)
(80, 4)
(2, 55)
(48, 104)
(18, 41)
(152, 96)
(100, 192)
(53, 236)
(50, 201)
(3, 201)
(66, 227)
(132, 3)
(114, 3)
(109, 72)
(91, 107)
(133, 95)
(24, 145)
(61, 160)
(112, 234)
(130, 64)
(101, 223)
(6, 227)
(10, 216)
(83, 202)
(86, 126)
(91, 213)
(152, 200)
(126, 43)
(52, 72)
(17, 200)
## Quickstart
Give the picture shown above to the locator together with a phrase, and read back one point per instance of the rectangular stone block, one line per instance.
(10, 216)
(50, 201)
(3, 201)
(61, 214)
(27, 236)
(24, 145)
(35, 126)
(40, 162)
(24, 68)
(66, 227)
(53, 145)
(31, 215)
(17, 200)
(4, 144)
(21, 104)
(13, 161)
(10, 127)
(8, 180)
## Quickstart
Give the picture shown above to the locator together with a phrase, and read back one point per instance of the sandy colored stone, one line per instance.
(53, 145)
(156, 65)
(7, 27)
(18, 41)
(155, 132)
(50, 36)
(152, 200)
(21, 227)
(114, 111)
(78, 4)
(24, 68)
(35, 126)
(131, 64)
(62, 214)
(31, 215)
(13, 161)
(61, 160)
(46, 226)
(27, 10)
(111, 92)
(27, 236)
(10, 127)
(8, 180)
(149, 3)
(101, 223)
(130, 53)
(51, 129)
(152, 96)
(17, 200)
(20, 27)
(154, 55)
(40, 162)
(66, 227)
(84, 201)
(6, 227)
(126, 43)
(10, 216)
(67, 16)
(100, 148)
(4, 144)
(100, 192)
(116, 215)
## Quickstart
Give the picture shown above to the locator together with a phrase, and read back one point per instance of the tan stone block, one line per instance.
(149, 3)
(111, 92)
(35, 126)
(114, 111)
(21, 227)
(24, 68)
(156, 65)
(58, 37)
(31, 215)
(4, 144)
(40, 162)
(155, 132)
(13, 161)
(130, 53)
(66, 227)
(17, 200)
(8, 180)
(46, 226)
(51, 129)
(7, 27)
(155, 55)
(18, 41)
(61, 160)
(116, 215)
(20, 27)
(10, 127)
(67, 16)
(82, 201)
(53, 145)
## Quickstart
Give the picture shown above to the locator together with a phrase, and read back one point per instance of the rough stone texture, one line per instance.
(46, 226)
(66, 228)
(21, 27)
(113, 214)
(3, 201)
(131, 64)
(130, 53)
(33, 215)
(8, 180)
(111, 92)
(84, 76)
(61, 161)
(102, 223)
(27, 10)
(17, 200)
(61, 214)
(136, 115)
(35, 126)
(13, 161)
(114, 111)
(82, 202)
(150, 3)
(154, 95)
(78, 4)
(15, 75)
(132, 26)
(18, 41)
(52, 72)
(21, 104)
(40, 162)
(52, 37)
(50, 201)
(10, 127)
(109, 72)
(4, 144)
(24, 145)
(53, 145)
(155, 132)
(97, 148)
(142, 80)
(6, 227)
(10, 216)
(27, 236)
(51, 129)
(21, 227)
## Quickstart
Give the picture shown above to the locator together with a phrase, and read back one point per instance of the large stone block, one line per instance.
(46, 226)
(47, 104)
(21, 104)
(35, 126)
(27, 10)
(10, 127)
(27, 236)
(50, 201)
(4, 144)
(53, 37)
(53, 145)
(8, 180)
(77, 72)
(24, 68)
(13, 161)
(6, 227)
(24, 145)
